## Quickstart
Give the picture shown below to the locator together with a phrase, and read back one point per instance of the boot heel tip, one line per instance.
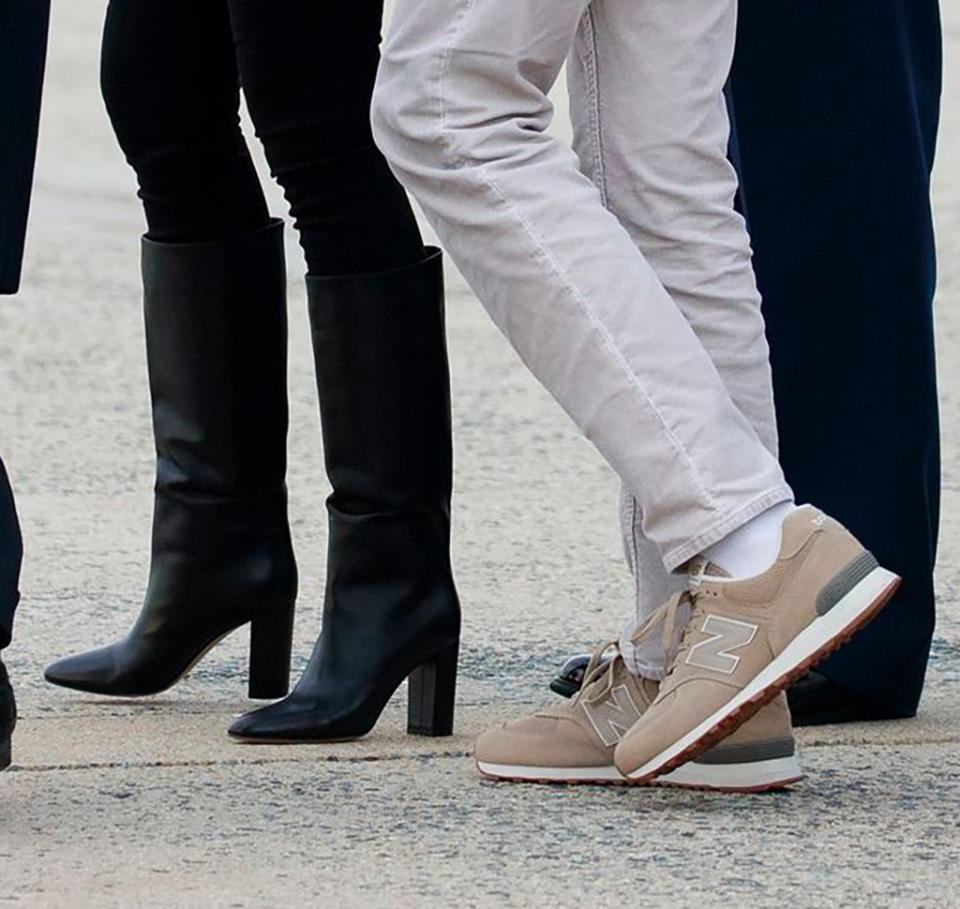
(267, 693)
(432, 732)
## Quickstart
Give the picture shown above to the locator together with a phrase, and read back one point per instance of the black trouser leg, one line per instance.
(11, 553)
(836, 105)
(307, 71)
(23, 47)
(170, 83)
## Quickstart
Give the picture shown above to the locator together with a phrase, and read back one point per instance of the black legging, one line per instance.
(171, 74)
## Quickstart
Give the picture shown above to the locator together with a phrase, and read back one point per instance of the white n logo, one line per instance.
(726, 635)
(614, 716)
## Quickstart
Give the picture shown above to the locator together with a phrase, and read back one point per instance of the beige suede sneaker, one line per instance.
(574, 741)
(746, 640)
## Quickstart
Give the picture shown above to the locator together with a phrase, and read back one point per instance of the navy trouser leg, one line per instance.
(836, 105)
(11, 551)
(23, 48)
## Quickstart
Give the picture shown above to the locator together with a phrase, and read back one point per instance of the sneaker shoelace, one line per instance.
(598, 668)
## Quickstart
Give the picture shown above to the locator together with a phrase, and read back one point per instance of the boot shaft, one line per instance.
(383, 378)
(216, 327)
(216, 332)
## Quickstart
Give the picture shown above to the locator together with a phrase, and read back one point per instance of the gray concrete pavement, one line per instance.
(873, 828)
(149, 804)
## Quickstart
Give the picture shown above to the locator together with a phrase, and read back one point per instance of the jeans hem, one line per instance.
(726, 525)
(647, 671)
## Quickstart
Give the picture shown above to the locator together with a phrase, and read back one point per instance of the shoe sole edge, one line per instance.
(519, 773)
(241, 738)
(755, 776)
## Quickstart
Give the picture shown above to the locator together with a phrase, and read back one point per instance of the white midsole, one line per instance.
(734, 776)
(745, 775)
(806, 643)
(522, 772)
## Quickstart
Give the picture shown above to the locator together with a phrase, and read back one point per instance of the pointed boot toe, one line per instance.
(250, 726)
(290, 721)
(94, 671)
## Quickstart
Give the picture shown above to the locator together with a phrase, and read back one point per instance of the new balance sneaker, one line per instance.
(574, 741)
(746, 640)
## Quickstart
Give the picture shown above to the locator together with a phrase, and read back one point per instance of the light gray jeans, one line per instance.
(619, 269)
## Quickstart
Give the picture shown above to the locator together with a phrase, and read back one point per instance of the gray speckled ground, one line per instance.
(426, 832)
(148, 804)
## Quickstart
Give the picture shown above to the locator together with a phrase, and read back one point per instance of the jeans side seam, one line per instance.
(458, 23)
(591, 68)
(635, 553)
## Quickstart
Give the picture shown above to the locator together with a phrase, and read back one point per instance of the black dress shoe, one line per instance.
(570, 677)
(8, 717)
(816, 700)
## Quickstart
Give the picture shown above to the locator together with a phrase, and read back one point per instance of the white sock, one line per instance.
(753, 548)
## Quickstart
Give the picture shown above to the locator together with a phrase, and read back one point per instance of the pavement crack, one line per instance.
(239, 762)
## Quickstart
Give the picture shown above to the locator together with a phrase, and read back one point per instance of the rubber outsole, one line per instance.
(720, 728)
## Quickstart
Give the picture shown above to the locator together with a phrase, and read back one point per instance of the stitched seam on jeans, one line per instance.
(455, 29)
(447, 146)
(591, 69)
(636, 553)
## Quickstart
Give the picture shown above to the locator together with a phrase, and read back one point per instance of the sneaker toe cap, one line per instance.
(541, 741)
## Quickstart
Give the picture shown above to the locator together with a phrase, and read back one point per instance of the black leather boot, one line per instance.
(391, 610)
(221, 555)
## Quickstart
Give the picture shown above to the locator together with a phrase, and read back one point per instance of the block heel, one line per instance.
(431, 692)
(271, 644)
